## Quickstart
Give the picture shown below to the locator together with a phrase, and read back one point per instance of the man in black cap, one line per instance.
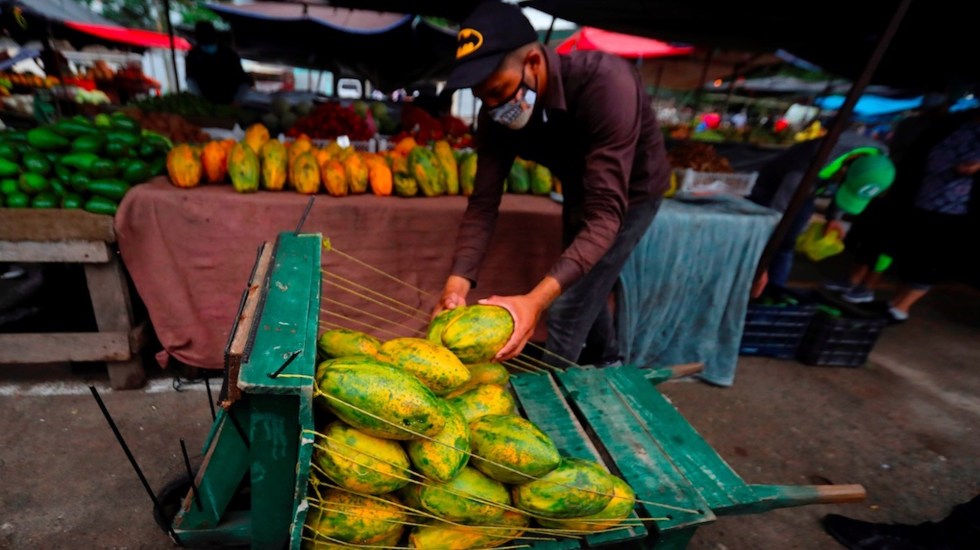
(587, 118)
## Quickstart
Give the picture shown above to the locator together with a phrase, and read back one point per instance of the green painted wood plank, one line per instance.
(544, 404)
(275, 441)
(304, 456)
(643, 463)
(235, 530)
(289, 315)
(704, 468)
(225, 464)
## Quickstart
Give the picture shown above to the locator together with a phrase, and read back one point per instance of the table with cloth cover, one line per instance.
(190, 253)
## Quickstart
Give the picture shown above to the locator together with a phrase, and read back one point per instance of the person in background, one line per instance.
(857, 163)
(212, 70)
(587, 117)
(944, 218)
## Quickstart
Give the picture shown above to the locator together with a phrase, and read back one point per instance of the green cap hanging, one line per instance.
(867, 177)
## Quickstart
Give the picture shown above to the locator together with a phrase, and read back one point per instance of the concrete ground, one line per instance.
(905, 426)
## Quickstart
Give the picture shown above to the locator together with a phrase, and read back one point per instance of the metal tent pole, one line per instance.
(173, 50)
(836, 128)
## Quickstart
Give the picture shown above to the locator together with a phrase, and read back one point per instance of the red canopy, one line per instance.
(623, 45)
(136, 37)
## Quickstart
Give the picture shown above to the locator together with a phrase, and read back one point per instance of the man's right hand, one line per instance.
(453, 294)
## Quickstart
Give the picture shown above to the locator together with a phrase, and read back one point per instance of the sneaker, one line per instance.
(859, 295)
(842, 285)
(896, 315)
(862, 535)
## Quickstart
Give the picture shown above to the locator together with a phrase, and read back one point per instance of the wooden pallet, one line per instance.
(75, 236)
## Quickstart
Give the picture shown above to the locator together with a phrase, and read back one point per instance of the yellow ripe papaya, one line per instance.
(447, 161)
(334, 178)
(214, 159)
(300, 145)
(342, 342)
(511, 449)
(273, 157)
(305, 174)
(357, 174)
(360, 462)
(443, 457)
(574, 489)
(483, 400)
(243, 168)
(467, 174)
(444, 536)
(478, 332)
(618, 509)
(354, 519)
(405, 146)
(379, 176)
(184, 166)
(255, 136)
(434, 365)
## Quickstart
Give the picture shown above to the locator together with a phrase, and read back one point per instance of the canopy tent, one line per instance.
(71, 21)
(623, 45)
(392, 50)
(838, 35)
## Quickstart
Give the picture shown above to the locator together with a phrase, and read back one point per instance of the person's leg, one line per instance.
(782, 262)
(572, 316)
(905, 298)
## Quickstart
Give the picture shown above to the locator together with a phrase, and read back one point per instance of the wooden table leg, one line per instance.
(114, 313)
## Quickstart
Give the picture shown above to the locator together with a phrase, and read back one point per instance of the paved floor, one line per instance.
(905, 426)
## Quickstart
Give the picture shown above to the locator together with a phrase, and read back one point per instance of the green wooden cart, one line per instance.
(251, 488)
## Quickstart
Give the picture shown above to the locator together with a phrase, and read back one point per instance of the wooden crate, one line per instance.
(75, 236)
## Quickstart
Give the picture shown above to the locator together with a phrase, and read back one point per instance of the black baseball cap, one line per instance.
(492, 31)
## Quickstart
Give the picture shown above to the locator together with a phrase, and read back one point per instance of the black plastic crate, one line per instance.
(775, 323)
(843, 338)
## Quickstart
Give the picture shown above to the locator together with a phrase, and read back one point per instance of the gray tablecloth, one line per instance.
(686, 286)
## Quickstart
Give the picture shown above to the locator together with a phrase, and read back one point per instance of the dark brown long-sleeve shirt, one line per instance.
(595, 130)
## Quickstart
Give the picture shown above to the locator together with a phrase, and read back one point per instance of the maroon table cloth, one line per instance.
(190, 253)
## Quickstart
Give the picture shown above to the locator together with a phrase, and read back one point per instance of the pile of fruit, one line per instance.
(172, 126)
(330, 120)
(188, 105)
(420, 439)
(408, 170)
(698, 156)
(418, 124)
(24, 81)
(78, 163)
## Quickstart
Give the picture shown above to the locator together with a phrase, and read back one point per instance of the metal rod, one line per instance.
(190, 475)
(284, 365)
(302, 220)
(703, 80)
(173, 50)
(207, 384)
(833, 133)
(238, 428)
(132, 461)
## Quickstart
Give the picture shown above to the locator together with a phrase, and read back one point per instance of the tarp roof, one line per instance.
(390, 49)
(837, 35)
(623, 45)
(132, 37)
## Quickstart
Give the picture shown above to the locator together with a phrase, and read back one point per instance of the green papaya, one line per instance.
(540, 180)
(518, 180)
(424, 166)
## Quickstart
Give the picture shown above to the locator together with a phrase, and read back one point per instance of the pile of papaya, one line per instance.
(261, 162)
(78, 162)
(419, 444)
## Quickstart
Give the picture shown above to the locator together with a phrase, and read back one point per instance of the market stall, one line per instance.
(183, 247)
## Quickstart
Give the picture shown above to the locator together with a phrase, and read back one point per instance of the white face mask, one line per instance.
(516, 112)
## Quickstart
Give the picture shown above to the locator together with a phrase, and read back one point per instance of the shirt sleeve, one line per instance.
(610, 114)
(494, 159)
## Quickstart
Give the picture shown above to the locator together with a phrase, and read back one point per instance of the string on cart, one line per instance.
(415, 312)
(373, 316)
(468, 452)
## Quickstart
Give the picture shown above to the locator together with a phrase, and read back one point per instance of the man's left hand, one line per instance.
(526, 310)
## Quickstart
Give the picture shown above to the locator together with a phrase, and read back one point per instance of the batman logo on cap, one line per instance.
(469, 40)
